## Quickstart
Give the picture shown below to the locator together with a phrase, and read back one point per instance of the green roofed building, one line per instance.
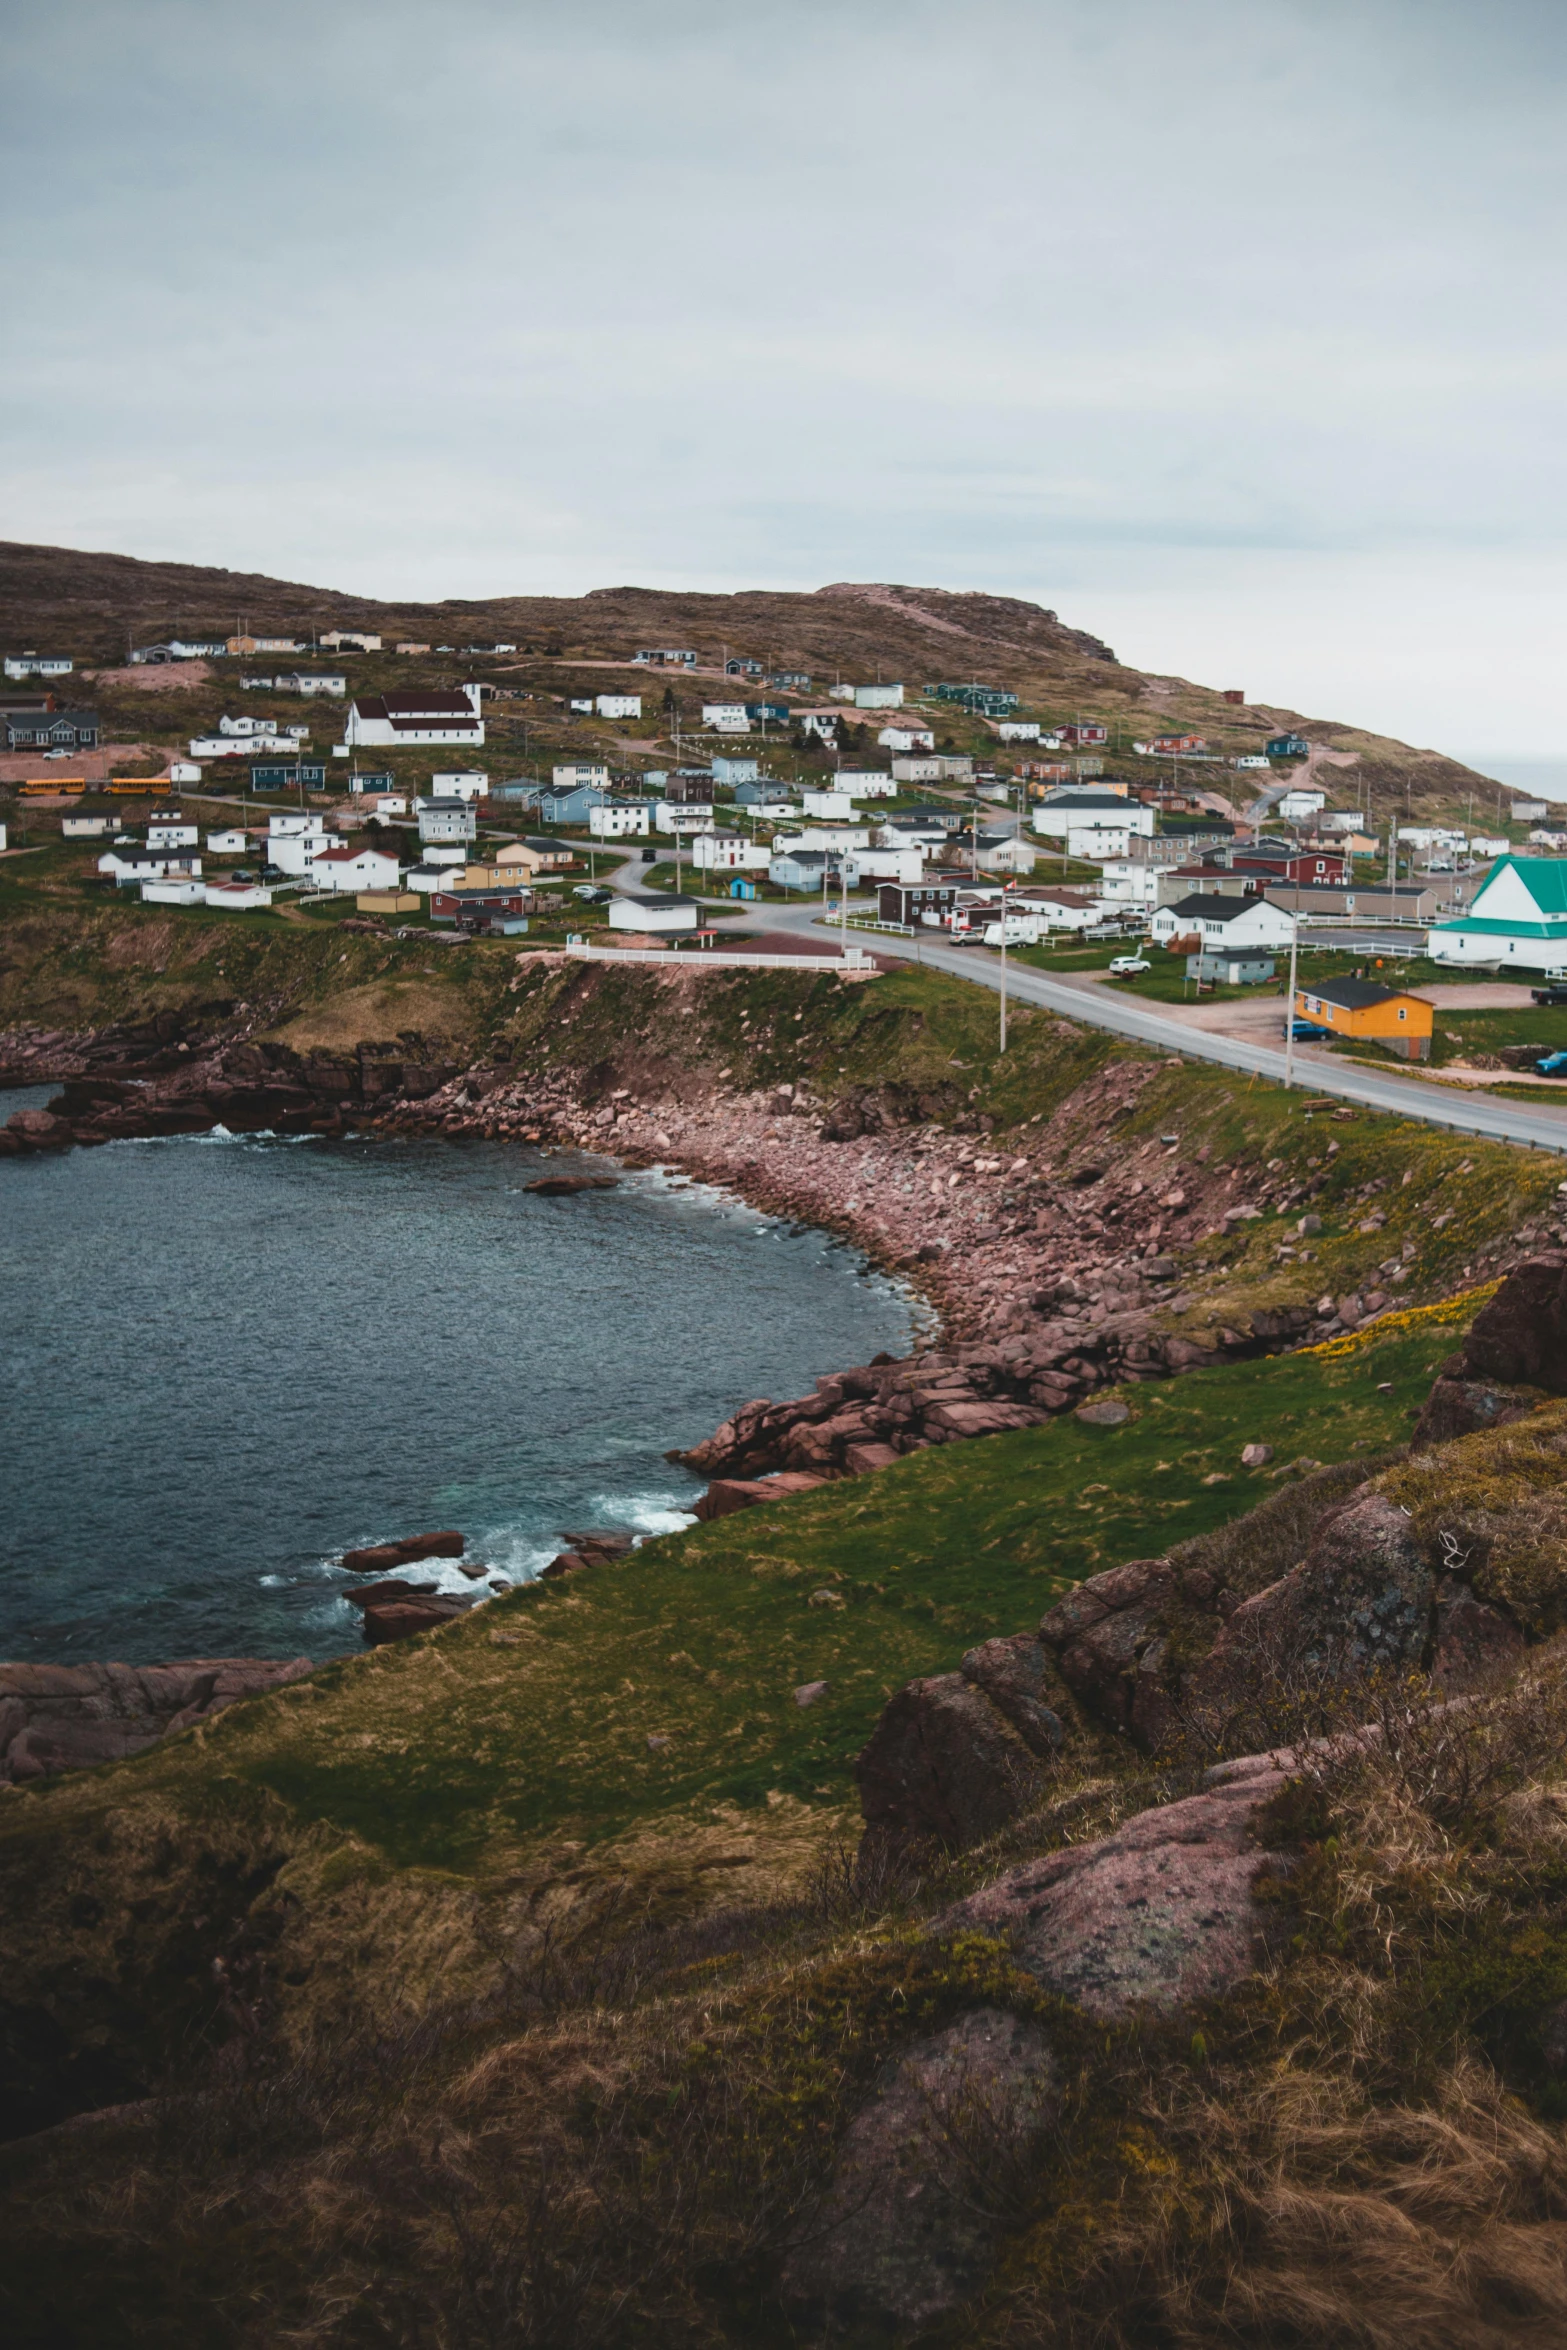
(1517, 921)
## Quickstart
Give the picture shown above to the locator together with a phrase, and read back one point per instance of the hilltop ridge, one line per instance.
(92, 602)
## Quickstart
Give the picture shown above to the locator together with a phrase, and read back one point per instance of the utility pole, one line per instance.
(1003, 970)
(1289, 1012)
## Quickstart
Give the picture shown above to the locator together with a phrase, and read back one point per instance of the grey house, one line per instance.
(445, 820)
(51, 730)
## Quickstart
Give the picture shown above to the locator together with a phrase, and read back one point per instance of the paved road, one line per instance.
(1540, 1127)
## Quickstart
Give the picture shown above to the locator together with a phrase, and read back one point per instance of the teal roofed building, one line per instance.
(1517, 921)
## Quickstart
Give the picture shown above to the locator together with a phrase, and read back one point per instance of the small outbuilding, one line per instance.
(650, 911)
(1232, 967)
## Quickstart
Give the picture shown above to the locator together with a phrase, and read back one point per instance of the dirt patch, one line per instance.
(383, 1008)
(171, 677)
(147, 943)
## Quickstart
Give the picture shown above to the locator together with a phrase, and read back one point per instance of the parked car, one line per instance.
(1554, 992)
(1551, 1065)
(1128, 966)
(1304, 1030)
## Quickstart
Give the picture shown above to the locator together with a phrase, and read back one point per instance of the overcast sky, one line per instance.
(1231, 328)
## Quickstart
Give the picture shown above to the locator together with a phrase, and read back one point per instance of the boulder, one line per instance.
(944, 1765)
(1012, 1675)
(911, 2220)
(1103, 1634)
(382, 1555)
(727, 1494)
(400, 1619)
(1475, 1643)
(66, 1717)
(1463, 1407)
(1519, 1337)
(1158, 1916)
(1361, 1600)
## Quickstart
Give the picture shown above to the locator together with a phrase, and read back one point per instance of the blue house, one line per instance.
(1287, 746)
(735, 770)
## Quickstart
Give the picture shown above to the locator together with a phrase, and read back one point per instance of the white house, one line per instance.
(318, 681)
(166, 831)
(1090, 843)
(1085, 811)
(864, 783)
(905, 864)
(1067, 909)
(1225, 922)
(37, 665)
(446, 820)
(833, 807)
(618, 705)
(1017, 730)
(658, 913)
(735, 771)
(424, 715)
(726, 717)
(85, 827)
(221, 746)
(293, 839)
(1005, 853)
(878, 697)
(232, 843)
(581, 775)
(129, 861)
(684, 817)
(1480, 846)
(908, 832)
(1128, 881)
(237, 896)
(729, 852)
(424, 879)
(384, 805)
(349, 640)
(459, 783)
(822, 723)
(1300, 802)
(906, 736)
(184, 771)
(620, 820)
(243, 727)
(296, 852)
(346, 868)
(916, 770)
(173, 890)
(832, 837)
(1517, 921)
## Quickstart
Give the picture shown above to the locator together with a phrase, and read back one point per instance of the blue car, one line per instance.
(1553, 1065)
(1303, 1031)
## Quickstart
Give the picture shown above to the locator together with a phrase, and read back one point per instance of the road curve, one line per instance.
(1404, 1097)
(1530, 1126)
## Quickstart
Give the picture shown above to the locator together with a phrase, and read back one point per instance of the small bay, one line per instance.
(225, 1360)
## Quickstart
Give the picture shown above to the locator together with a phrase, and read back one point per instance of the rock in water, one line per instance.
(562, 1186)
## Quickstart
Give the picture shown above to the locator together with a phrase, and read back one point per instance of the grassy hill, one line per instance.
(93, 604)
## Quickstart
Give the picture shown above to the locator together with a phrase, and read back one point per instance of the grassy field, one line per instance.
(634, 1728)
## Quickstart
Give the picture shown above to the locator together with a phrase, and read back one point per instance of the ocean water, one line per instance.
(225, 1360)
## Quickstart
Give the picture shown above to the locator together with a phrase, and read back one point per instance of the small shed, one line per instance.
(653, 911)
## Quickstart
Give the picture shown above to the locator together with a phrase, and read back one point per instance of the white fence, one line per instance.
(700, 958)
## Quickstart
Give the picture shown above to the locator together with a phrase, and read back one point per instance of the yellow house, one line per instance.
(520, 857)
(1400, 1023)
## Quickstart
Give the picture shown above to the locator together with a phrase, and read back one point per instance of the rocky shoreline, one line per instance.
(1054, 1264)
